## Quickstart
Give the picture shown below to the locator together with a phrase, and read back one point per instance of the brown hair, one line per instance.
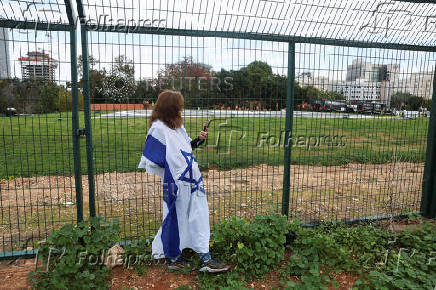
(168, 109)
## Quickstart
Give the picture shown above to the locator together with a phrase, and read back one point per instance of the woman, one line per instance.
(168, 153)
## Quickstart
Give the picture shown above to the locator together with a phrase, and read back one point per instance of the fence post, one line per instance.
(428, 199)
(288, 128)
(75, 125)
(75, 112)
(87, 107)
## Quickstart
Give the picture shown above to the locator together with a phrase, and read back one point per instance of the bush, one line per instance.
(46, 102)
(35, 97)
(65, 99)
(255, 246)
(73, 256)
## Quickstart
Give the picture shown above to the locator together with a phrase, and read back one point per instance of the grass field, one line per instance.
(42, 144)
(341, 168)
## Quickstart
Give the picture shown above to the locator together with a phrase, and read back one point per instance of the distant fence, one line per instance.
(116, 107)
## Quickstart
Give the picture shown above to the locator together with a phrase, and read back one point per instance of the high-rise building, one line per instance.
(38, 65)
(370, 82)
(322, 83)
(360, 69)
(5, 65)
(419, 84)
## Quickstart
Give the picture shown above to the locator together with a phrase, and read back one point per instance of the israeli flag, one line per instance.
(168, 154)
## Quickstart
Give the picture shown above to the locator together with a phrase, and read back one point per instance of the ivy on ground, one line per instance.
(377, 258)
(73, 256)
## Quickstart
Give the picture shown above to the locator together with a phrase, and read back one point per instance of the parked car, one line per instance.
(372, 108)
(351, 108)
(336, 106)
(318, 105)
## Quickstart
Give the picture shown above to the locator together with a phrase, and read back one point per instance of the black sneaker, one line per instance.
(180, 264)
(213, 266)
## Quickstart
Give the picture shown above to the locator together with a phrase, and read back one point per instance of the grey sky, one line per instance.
(369, 20)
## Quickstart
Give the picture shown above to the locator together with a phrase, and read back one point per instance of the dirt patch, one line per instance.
(156, 277)
(13, 274)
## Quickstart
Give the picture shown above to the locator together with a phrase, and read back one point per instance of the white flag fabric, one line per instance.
(168, 153)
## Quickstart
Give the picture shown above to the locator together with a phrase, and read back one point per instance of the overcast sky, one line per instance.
(365, 20)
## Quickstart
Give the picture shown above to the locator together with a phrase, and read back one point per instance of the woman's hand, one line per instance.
(203, 134)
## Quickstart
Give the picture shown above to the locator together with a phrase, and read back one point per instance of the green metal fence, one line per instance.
(318, 110)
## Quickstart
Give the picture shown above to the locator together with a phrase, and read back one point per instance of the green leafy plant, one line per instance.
(315, 255)
(73, 256)
(410, 262)
(137, 255)
(256, 246)
(230, 280)
(366, 244)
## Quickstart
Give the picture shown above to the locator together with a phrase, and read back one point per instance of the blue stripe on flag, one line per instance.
(170, 227)
(154, 150)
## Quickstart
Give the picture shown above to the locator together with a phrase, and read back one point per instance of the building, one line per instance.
(360, 69)
(419, 84)
(370, 82)
(5, 65)
(38, 65)
(320, 82)
(359, 90)
(366, 81)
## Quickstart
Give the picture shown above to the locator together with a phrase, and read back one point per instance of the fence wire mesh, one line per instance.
(360, 143)
(355, 96)
(37, 188)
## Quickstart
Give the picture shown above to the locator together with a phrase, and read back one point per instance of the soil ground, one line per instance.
(14, 274)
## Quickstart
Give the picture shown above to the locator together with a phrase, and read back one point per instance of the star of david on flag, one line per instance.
(195, 184)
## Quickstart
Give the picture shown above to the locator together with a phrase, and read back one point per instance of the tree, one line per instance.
(406, 101)
(119, 85)
(96, 79)
(123, 66)
(144, 92)
(47, 98)
(191, 78)
(92, 62)
(306, 94)
(254, 83)
(330, 95)
(96, 85)
(64, 102)
(427, 104)
(415, 103)
(257, 77)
